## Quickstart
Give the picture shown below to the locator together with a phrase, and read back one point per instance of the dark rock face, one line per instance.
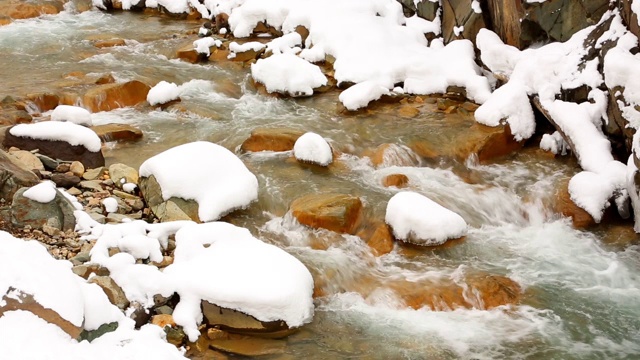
(459, 14)
(13, 176)
(239, 322)
(425, 9)
(56, 150)
(629, 17)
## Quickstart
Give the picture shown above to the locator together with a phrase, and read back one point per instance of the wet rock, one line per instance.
(122, 174)
(249, 346)
(271, 139)
(336, 212)
(238, 322)
(105, 79)
(486, 142)
(397, 180)
(408, 111)
(378, 236)
(113, 96)
(117, 132)
(189, 54)
(28, 159)
(24, 10)
(10, 116)
(565, 206)
(56, 149)
(109, 43)
(387, 155)
(44, 101)
(65, 180)
(19, 300)
(112, 290)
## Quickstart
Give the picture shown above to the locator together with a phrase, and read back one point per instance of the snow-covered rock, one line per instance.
(163, 93)
(44, 192)
(288, 74)
(313, 148)
(212, 176)
(74, 114)
(417, 219)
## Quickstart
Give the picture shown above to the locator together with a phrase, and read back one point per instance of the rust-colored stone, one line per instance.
(336, 212)
(378, 236)
(271, 139)
(163, 320)
(113, 96)
(387, 155)
(565, 206)
(45, 101)
(109, 43)
(117, 132)
(397, 180)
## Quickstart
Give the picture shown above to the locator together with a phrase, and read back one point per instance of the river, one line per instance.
(581, 292)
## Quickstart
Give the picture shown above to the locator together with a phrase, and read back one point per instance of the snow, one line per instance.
(361, 94)
(475, 5)
(425, 26)
(218, 262)
(17, 329)
(313, 148)
(129, 187)
(287, 73)
(417, 219)
(203, 45)
(59, 131)
(241, 273)
(110, 204)
(205, 172)
(74, 114)
(27, 267)
(248, 46)
(457, 30)
(162, 93)
(44, 192)
(287, 43)
(554, 143)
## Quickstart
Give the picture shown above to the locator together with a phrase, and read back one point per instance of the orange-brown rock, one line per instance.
(218, 54)
(397, 180)
(387, 155)
(69, 98)
(238, 322)
(189, 54)
(271, 139)
(109, 43)
(117, 132)
(246, 55)
(377, 236)
(408, 111)
(336, 212)
(478, 291)
(44, 101)
(113, 96)
(24, 10)
(105, 79)
(565, 206)
(486, 142)
(26, 302)
(163, 320)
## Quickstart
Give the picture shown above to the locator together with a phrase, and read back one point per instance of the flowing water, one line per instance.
(581, 293)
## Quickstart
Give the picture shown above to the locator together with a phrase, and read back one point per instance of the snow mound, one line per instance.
(361, 94)
(59, 131)
(44, 192)
(163, 92)
(225, 265)
(203, 45)
(110, 204)
(74, 114)
(205, 172)
(313, 148)
(417, 219)
(288, 74)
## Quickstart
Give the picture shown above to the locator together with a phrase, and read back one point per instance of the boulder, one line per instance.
(172, 209)
(27, 159)
(565, 206)
(239, 322)
(425, 9)
(57, 213)
(44, 101)
(336, 212)
(55, 149)
(117, 132)
(271, 139)
(18, 300)
(378, 236)
(387, 155)
(65, 180)
(629, 17)
(13, 176)
(113, 96)
(188, 53)
(397, 180)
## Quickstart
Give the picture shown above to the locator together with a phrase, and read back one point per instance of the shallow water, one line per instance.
(581, 296)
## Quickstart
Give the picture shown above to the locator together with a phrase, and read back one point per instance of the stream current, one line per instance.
(581, 291)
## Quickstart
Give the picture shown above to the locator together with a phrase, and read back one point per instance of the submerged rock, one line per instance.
(271, 139)
(117, 132)
(336, 212)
